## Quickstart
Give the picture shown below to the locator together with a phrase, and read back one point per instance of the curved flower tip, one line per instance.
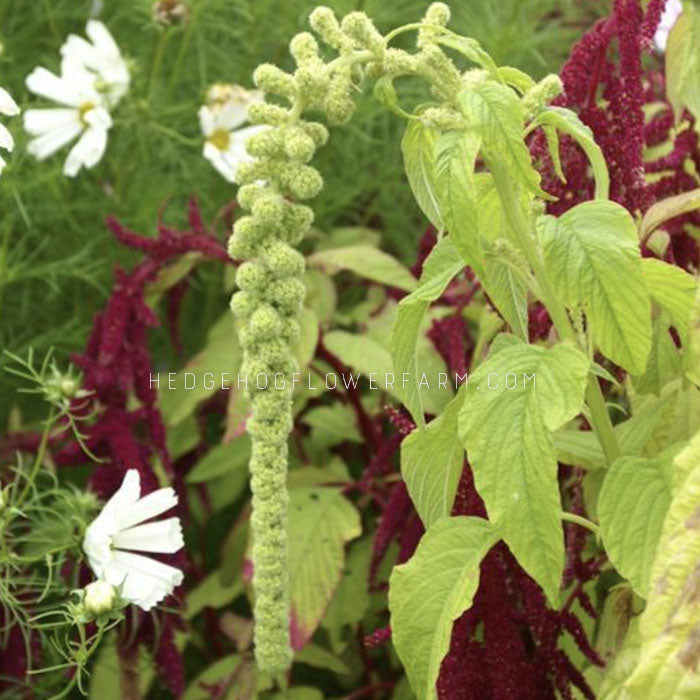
(120, 530)
(220, 120)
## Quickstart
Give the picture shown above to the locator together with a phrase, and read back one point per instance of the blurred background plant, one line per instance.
(56, 256)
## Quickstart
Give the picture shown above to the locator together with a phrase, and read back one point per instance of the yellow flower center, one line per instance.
(221, 139)
(83, 110)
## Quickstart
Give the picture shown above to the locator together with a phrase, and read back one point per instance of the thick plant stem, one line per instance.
(522, 230)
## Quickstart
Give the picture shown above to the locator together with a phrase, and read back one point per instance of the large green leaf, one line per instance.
(418, 148)
(427, 594)
(664, 362)
(567, 121)
(366, 261)
(633, 503)
(443, 263)
(673, 289)
(496, 113)
(221, 460)
(592, 256)
(216, 364)
(456, 153)
(431, 464)
(683, 62)
(321, 521)
(507, 434)
(670, 625)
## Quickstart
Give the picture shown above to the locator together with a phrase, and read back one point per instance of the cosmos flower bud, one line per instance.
(170, 12)
(99, 597)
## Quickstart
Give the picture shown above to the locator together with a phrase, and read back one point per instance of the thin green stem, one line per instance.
(522, 230)
(580, 520)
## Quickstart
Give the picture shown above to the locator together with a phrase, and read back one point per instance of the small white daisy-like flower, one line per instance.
(220, 120)
(670, 14)
(8, 107)
(101, 56)
(120, 530)
(83, 114)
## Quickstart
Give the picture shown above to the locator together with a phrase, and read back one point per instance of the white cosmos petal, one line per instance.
(2, 164)
(7, 104)
(6, 140)
(98, 117)
(145, 581)
(232, 114)
(217, 158)
(163, 536)
(102, 39)
(78, 48)
(206, 120)
(148, 507)
(670, 14)
(39, 121)
(45, 84)
(51, 141)
(126, 495)
(87, 151)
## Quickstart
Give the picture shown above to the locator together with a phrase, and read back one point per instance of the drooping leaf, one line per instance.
(305, 346)
(497, 115)
(427, 594)
(507, 435)
(212, 592)
(431, 464)
(456, 153)
(633, 503)
(683, 62)
(366, 261)
(673, 289)
(318, 657)
(221, 460)
(321, 521)
(592, 256)
(352, 597)
(667, 209)
(336, 420)
(443, 263)
(664, 362)
(359, 353)
(568, 122)
(418, 148)
(181, 393)
(670, 624)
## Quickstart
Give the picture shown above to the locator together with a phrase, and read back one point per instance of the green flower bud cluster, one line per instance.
(541, 94)
(271, 292)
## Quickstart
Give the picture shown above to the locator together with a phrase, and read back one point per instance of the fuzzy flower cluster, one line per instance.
(8, 107)
(271, 290)
(93, 79)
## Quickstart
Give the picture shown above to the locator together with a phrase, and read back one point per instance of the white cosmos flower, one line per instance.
(9, 107)
(101, 56)
(670, 14)
(83, 114)
(120, 528)
(220, 120)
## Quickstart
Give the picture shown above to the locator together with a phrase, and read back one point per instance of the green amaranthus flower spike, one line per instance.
(271, 290)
